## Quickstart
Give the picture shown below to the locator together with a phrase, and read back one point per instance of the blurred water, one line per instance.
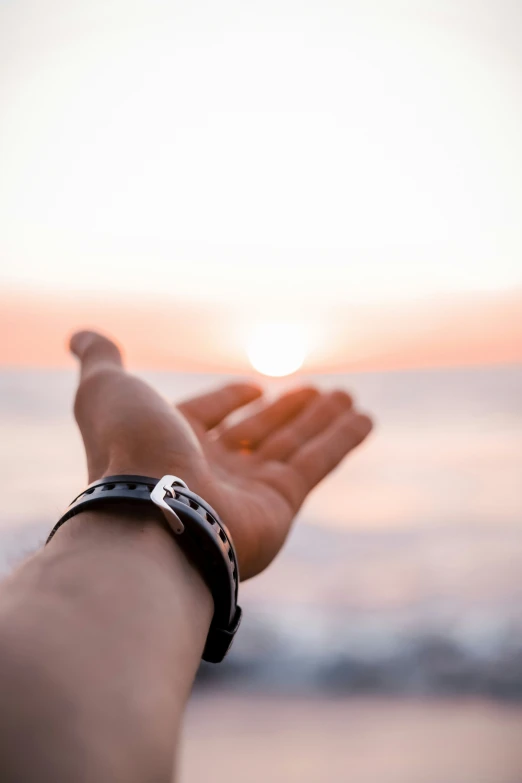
(404, 572)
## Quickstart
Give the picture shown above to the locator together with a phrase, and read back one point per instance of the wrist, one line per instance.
(190, 522)
(191, 471)
(141, 537)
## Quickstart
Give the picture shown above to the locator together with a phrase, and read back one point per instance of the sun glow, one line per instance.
(277, 349)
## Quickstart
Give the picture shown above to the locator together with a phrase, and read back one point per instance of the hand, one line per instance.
(256, 473)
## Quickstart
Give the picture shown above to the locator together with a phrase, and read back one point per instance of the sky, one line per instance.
(351, 166)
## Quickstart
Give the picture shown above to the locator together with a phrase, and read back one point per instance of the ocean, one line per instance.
(400, 581)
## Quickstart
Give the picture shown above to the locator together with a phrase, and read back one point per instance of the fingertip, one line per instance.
(342, 398)
(357, 426)
(92, 347)
(365, 423)
(241, 394)
(304, 393)
(80, 341)
(248, 391)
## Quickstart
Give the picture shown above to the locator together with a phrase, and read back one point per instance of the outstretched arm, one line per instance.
(102, 631)
(101, 634)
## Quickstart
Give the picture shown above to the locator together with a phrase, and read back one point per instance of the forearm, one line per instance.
(101, 634)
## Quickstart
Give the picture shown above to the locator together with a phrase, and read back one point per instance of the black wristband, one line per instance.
(198, 530)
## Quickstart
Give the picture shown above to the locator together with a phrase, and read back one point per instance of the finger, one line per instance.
(210, 409)
(324, 452)
(251, 431)
(309, 423)
(94, 352)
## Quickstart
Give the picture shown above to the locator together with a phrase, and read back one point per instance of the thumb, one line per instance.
(94, 352)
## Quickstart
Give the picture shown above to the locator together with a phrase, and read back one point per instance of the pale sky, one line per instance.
(261, 151)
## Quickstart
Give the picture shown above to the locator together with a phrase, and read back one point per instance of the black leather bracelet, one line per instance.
(198, 530)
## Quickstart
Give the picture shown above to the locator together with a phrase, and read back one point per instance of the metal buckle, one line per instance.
(164, 488)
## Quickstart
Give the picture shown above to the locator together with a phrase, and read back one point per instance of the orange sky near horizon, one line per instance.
(461, 330)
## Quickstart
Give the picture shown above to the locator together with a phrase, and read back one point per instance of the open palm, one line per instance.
(263, 467)
(256, 473)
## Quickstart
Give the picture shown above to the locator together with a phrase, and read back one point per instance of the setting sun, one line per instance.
(276, 349)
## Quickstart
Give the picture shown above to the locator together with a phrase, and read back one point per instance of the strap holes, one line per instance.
(89, 491)
(222, 535)
(107, 487)
(131, 486)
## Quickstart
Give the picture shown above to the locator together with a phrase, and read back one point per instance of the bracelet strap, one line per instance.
(198, 530)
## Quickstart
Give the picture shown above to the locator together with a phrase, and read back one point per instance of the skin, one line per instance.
(102, 631)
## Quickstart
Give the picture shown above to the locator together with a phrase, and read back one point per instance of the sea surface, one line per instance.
(386, 640)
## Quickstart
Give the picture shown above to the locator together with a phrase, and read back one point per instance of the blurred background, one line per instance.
(325, 191)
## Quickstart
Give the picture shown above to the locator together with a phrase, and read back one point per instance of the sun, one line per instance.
(276, 349)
